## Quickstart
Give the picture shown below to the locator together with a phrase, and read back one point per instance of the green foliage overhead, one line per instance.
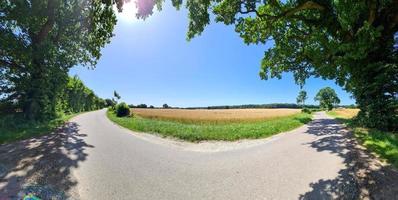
(40, 41)
(327, 98)
(351, 42)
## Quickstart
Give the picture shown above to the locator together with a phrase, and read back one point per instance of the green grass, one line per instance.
(333, 114)
(208, 131)
(384, 144)
(14, 128)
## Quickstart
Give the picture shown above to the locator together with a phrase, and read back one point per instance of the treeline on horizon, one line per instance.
(243, 106)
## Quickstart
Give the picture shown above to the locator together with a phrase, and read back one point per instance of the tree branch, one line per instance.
(304, 6)
(287, 13)
(9, 63)
(372, 11)
(47, 27)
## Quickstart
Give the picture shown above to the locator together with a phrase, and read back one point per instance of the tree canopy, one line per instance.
(40, 41)
(76, 97)
(302, 96)
(327, 98)
(351, 42)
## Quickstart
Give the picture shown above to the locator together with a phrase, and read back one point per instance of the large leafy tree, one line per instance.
(327, 98)
(40, 41)
(302, 96)
(351, 42)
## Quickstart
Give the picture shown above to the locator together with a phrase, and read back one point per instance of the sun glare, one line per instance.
(129, 12)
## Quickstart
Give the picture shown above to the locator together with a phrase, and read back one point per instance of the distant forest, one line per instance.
(271, 105)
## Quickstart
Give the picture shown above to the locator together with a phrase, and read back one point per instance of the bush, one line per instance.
(306, 110)
(315, 110)
(122, 110)
(109, 103)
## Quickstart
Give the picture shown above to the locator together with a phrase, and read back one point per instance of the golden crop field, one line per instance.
(346, 112)
(216, 115)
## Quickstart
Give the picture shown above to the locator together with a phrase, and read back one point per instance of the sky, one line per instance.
(151, 62)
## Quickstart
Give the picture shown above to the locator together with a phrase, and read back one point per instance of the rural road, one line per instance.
(92, 158)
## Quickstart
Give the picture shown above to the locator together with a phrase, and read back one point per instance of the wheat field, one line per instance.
(347, 113)
(216, 115)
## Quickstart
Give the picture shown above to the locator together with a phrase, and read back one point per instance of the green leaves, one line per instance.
(327, 98)
(227, 10)
(76, 97)
(351, 42)
(301, 97)
(198, 16)
(40, 41)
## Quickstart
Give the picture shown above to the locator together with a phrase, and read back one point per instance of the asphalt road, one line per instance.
(93, 158)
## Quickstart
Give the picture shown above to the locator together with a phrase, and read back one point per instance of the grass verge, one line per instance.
(194, 132)
(13, 128)
(384, 144)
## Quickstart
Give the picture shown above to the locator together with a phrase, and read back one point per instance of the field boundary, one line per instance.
(205, 146)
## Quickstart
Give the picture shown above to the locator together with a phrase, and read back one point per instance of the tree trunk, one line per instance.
(35, 94)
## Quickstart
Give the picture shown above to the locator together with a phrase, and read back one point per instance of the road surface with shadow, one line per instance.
(92, 158)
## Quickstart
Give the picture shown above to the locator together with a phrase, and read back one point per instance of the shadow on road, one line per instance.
(363, 176)
(42, 165)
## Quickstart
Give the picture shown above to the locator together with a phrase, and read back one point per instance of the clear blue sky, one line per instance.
(151, 62)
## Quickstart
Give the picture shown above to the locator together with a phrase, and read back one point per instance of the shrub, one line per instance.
(122, 110)
(315, 110)
(109, 103)
(306, 110)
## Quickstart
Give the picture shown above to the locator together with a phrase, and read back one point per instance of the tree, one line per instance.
(351, 42)
(122, 110)
(76, 97)
(327, 98)
(165, 105)
(141, 106)
(109, 103)
(40, 41)
(301, 98)
(116, 95)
